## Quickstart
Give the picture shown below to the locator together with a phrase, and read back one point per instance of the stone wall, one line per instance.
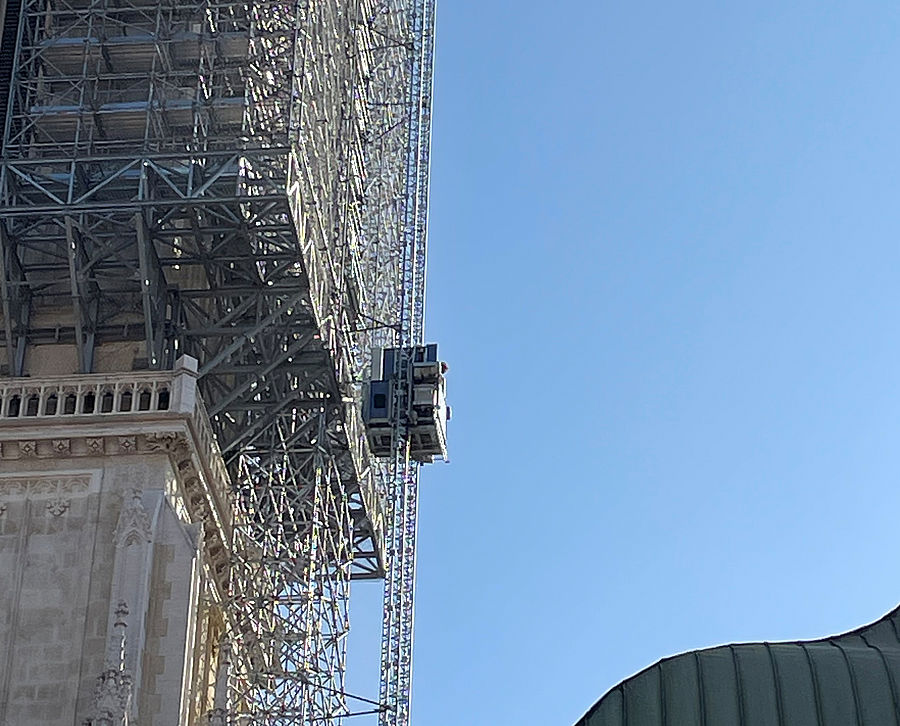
(75, 547)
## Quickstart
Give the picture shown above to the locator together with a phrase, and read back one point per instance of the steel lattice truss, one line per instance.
(244, 182)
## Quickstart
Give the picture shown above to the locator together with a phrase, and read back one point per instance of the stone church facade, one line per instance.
(114, 535)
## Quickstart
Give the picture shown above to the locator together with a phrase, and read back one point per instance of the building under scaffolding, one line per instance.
(211, 213)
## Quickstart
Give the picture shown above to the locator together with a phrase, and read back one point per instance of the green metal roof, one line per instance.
(845, 680)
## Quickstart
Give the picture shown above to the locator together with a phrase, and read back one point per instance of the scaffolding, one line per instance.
(245, 182)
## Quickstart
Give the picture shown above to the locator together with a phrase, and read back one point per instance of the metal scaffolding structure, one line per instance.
(245, 182)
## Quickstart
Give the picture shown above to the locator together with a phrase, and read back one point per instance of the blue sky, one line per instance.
(664, 262)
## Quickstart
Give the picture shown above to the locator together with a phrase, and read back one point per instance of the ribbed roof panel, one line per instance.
(846, 680)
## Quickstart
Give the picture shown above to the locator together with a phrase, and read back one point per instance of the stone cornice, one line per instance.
(127, 415)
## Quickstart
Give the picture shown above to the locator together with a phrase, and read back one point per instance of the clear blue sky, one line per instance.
(664, 264)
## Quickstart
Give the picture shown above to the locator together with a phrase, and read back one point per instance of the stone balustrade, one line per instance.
(86, 395)
(137, 397)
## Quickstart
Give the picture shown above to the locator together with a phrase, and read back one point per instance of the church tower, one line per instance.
(114, 533)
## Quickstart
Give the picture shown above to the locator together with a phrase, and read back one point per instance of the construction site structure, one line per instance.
(425, 408)
(211, 214)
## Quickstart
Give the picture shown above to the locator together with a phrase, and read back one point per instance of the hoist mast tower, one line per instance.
(231, 195)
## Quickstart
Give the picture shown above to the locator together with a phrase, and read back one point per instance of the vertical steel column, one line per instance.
(399, 616)
(84, 308)
(15, 304)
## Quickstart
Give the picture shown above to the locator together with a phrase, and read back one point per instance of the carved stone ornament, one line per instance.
(58, 507)
(112, 694)
(47, 486)
(165, 441)
(3, 507)
(61, 447)
(28, 449)
(134, 523)
(94, 445)
(128, 444)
